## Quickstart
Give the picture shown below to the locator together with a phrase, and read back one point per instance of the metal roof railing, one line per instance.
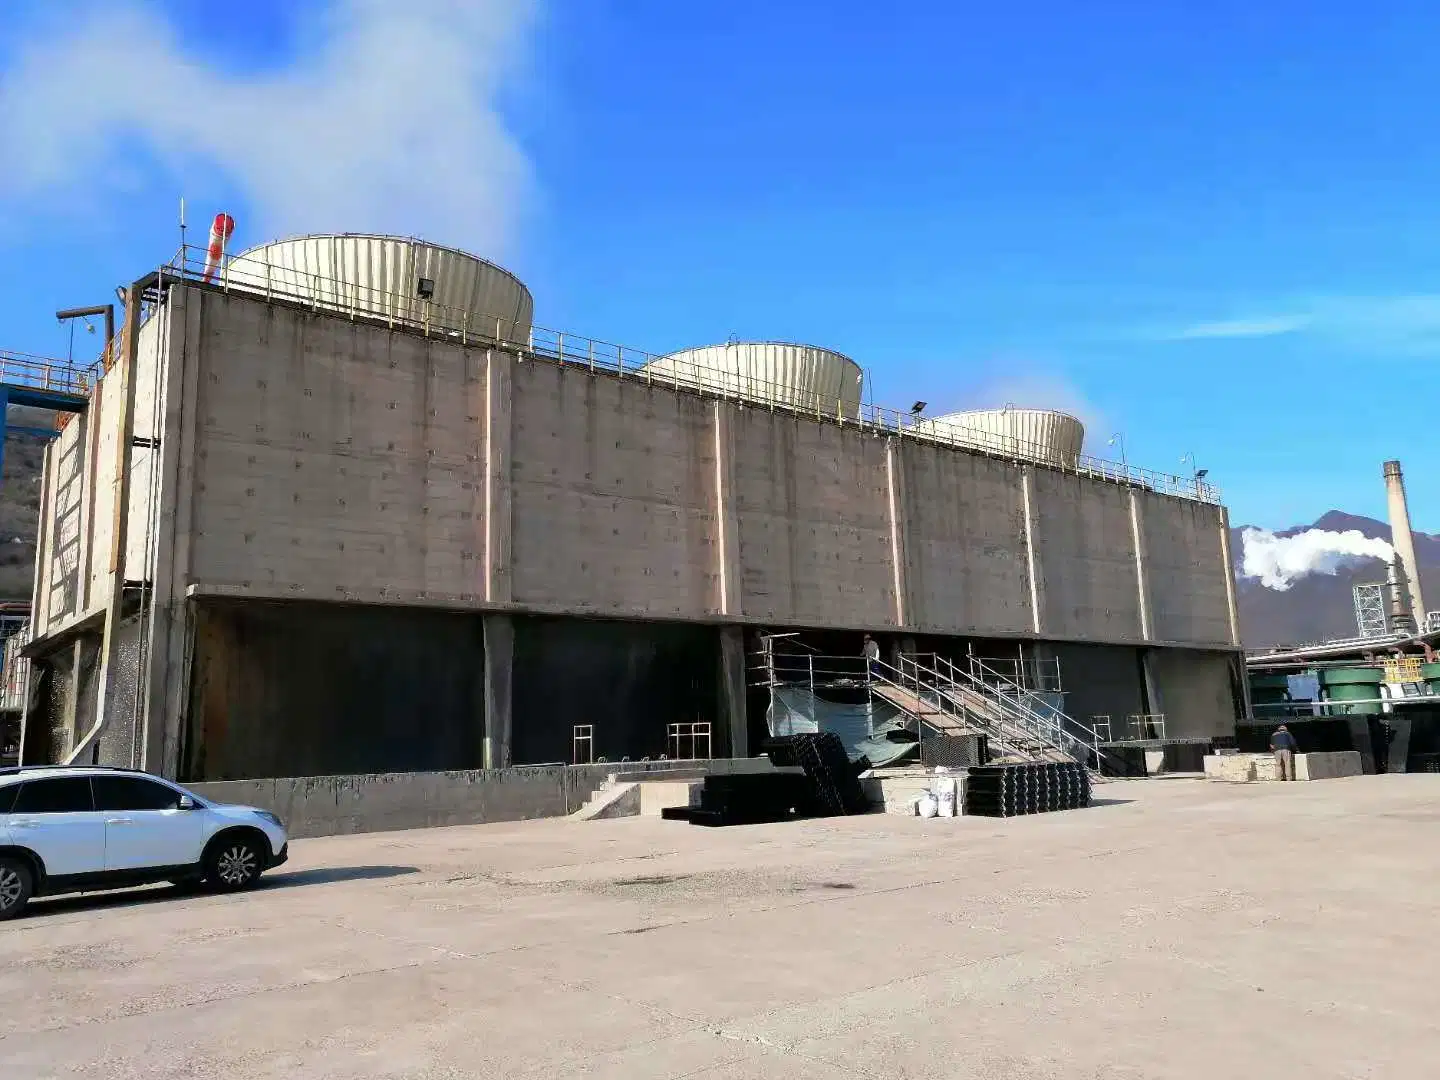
(357, 301)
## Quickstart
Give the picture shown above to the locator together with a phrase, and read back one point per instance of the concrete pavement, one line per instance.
(1181, 930)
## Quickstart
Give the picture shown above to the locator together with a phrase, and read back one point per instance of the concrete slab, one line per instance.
(1175, 930)
(1327, 766)
(657, 795)
(1247, 768)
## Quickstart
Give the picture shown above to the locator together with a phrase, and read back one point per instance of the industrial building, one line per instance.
(1377, 693)
(337, 506)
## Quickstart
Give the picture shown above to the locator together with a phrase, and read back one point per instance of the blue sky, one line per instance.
(1212, 228)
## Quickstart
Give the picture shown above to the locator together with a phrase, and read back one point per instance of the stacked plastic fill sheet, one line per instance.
(1035, 787)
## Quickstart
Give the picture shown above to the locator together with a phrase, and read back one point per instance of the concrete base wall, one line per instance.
(379, 802)
(660, 795)
(1327, 766)
(1249, 768)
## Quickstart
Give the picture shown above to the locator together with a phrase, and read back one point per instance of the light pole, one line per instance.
(1118, 439)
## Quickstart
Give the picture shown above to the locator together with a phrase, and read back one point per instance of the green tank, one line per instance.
(1269, 694)
(1341, 686)
(1431, 674)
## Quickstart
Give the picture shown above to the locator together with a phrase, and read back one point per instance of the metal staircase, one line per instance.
(917, 691)
(1000, 706)
(946, 699)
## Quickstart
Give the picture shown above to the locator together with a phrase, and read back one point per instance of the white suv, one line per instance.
(74, 829)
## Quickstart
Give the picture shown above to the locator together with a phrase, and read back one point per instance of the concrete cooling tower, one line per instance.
(771, 373)
(1041, 435)
(390, 277)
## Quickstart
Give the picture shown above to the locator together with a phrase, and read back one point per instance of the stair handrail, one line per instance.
(1030, 722)
(1067, 731)
(923, 683)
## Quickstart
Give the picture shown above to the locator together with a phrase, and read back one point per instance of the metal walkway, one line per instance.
(40, 383)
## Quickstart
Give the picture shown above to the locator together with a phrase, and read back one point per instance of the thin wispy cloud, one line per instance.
(1266, 326)
(1397, 325)
(389, 123)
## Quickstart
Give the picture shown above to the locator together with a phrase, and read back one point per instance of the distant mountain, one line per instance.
(1322, 606)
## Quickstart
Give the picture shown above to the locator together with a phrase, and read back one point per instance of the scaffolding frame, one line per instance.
(1371, 619)
(691, 735)
(582, 745)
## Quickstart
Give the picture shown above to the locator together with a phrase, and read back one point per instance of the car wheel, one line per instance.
(16, 884)
(235, 863)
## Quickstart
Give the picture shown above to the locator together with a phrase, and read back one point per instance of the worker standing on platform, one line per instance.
(872, 657)
(1283, 746)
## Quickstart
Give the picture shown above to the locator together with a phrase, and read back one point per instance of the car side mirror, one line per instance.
(187, 803)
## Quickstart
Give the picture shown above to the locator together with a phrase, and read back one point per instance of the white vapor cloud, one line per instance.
(1266, 326)
(389, 123)
(1280, 561)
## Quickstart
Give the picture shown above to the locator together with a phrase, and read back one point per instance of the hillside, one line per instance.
(20, 504)
(1321, 606)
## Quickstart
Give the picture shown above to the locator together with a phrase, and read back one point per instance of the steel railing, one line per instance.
(936, 689)
(247, 275)
(1026, 711)
(43, 373)
(918, 682)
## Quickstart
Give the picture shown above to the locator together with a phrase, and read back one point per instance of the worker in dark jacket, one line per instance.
(1283, 746)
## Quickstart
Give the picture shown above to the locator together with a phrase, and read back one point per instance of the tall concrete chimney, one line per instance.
(1401, 539)
(1398, 599)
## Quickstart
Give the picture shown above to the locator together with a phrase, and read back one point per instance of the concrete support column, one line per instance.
(895, 495)
(499, 667)
(733, 697)
(171, 427)
(1231, 607)
(1142, 580)
(497, 526)
(1154, 701)
(72, 702)
(1242, 679)
(728, 600)
(1033, 567)
(86, 750)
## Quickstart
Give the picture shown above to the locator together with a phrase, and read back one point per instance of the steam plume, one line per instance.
(1280, 561)
(386, 118)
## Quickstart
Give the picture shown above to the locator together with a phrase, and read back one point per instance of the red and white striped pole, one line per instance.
(220, 231)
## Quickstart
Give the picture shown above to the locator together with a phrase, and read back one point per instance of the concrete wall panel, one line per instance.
(334, 458)
(340, 460)
(1195, 692)
(1101, 680)
(613, 495)
(1185, 570)
(376, 802)
(1085, 557)
(965, 538)
(811, 506)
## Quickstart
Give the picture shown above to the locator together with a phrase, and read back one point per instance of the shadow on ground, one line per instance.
(154, 894)
(1110, 802)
